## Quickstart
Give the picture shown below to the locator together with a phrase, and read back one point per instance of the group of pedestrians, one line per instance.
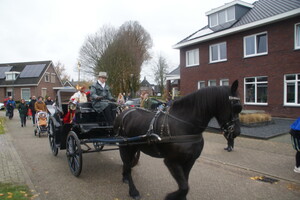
(27, 108)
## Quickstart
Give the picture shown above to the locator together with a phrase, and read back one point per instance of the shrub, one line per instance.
(255, 118)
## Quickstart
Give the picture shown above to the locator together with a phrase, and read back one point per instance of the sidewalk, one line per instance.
(279, 127)
(11, 167)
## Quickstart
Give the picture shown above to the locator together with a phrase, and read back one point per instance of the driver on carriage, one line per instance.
(100, 92)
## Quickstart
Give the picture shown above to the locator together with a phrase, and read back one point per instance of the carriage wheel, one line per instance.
(51, 137)
(136, 158)
(98, 146)
(74, 153)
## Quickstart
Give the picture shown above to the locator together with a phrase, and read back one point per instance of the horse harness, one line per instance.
(164, 136)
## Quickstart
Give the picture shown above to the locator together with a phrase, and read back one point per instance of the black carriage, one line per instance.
(87, 127)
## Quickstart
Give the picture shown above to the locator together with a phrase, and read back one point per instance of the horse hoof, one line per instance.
(137, 197)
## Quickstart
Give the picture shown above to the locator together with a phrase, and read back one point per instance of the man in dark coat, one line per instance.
(31, 106)
(100, 91)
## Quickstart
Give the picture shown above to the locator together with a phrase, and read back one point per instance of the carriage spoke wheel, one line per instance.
(74, 153)
(98, 146)
(51, 137)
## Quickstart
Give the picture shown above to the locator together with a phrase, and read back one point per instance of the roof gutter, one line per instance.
(239, 28)
(21, 85)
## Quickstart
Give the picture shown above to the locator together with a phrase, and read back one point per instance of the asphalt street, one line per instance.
(217, 174)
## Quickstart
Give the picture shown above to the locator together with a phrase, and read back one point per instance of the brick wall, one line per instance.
(281, 59)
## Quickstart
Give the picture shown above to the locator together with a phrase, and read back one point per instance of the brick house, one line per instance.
(23, 80)
(258, 44)
(173, 82)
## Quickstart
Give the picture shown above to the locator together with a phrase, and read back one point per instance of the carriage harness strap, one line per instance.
(164, 137)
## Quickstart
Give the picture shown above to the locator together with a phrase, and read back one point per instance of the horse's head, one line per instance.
(228, 118)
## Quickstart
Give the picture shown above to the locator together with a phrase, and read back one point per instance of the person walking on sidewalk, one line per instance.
(31, 106)
(40, 105)
(295, 136)
(23, 109)
(10, 106)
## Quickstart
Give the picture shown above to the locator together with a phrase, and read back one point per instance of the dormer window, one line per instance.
(225, 16)
(222, 17)
(11, 76)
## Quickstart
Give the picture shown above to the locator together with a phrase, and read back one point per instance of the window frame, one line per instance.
(219, 52)
(210, 81)
(43, 92)
(22, 97)
(255, 45)
(297, 80)
(223, 80)
(9, 90)
(53, 76)
(199, 84)
(226, 16)
(195, 52)
(47, 77)
(255, 94)
(297, 36)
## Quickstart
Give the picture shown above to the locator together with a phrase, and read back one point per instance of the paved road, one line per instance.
(217, 174)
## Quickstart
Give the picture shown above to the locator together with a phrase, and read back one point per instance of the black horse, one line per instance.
(176, 135)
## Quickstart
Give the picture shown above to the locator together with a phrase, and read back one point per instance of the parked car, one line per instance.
(136, 102)
(2, 106)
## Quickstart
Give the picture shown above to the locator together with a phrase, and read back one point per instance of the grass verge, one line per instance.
(2, 121)
(14, 192)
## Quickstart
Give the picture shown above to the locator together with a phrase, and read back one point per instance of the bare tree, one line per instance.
(61, 71)
(160, 69)
(120, 53)
(94, 48)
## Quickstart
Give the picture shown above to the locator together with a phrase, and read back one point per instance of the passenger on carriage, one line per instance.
(100, 92)
(79, 96)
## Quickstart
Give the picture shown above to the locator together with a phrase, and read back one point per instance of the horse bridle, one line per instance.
(228, 127)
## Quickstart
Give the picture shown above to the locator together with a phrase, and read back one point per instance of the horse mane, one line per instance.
(205, 102)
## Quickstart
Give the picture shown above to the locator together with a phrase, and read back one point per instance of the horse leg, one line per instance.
(127, 156)
(179, 173)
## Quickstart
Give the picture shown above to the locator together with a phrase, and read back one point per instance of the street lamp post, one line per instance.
(131, 85)
(79, 65)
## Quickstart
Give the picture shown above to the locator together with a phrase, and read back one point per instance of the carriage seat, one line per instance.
(85, 113)
(85, 107)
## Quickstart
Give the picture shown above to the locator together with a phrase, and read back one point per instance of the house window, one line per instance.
(11, 76)
(292, 89)
(256, 90)
(222, 17)
(224, 82)
(297, 36)
(201, 84)
(192, 57)
(25, 93)
(44, 92)
(218, 52)
(213, 20)
(212, 83)
(47, 77)
(53, 77)
(9, 92)
(255, 45)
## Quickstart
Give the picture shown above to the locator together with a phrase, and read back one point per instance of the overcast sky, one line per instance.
(35, 30)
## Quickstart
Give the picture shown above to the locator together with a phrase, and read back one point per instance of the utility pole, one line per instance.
(78, 65)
